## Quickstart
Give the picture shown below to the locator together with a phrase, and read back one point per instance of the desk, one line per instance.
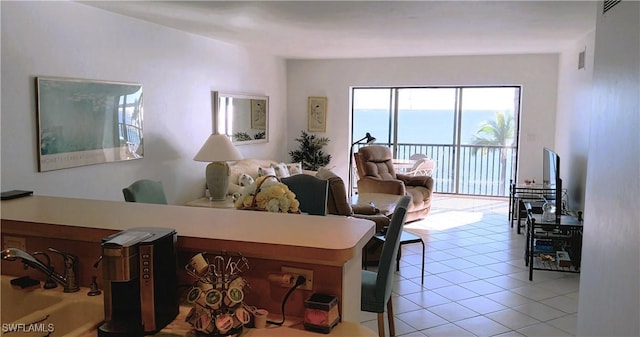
(205, 202)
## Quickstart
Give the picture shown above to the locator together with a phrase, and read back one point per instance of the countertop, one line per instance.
(329, 245)
(331, 240)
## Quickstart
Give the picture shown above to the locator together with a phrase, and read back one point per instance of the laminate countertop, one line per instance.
(330, 240)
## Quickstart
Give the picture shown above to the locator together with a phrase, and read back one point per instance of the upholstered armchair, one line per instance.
(376, 174)
(338, 203)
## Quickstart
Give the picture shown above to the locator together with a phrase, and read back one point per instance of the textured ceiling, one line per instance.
(354, 29)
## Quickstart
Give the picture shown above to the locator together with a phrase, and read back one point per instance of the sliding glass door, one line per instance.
(471, 132)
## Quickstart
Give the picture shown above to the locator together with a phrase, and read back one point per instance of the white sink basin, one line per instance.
(37, 311)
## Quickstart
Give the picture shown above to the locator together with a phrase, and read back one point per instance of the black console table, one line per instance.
(553, 245)
(534, 194)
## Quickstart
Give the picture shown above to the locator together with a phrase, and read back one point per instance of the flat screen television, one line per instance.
(551, 177)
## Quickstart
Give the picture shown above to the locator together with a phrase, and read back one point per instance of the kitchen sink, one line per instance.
(16, 302)
(48, 312)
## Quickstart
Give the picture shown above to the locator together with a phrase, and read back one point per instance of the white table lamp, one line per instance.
(218, 149)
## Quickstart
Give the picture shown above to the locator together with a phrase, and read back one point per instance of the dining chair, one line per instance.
(310, 191)
(145, 191)
(376, 286)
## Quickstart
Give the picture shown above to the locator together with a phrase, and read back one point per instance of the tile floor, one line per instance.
(476, 283)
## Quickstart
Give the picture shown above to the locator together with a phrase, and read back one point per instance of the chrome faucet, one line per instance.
(69, 280)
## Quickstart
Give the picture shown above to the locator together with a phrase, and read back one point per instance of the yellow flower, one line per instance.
(274, 197)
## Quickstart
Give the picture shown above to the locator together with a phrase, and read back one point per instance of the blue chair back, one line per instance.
(310, 191)
(389, 253)
(145, 191)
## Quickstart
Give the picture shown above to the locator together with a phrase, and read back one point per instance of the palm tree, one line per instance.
(497, 132)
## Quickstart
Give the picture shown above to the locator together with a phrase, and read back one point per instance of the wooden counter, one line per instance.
(333, 244)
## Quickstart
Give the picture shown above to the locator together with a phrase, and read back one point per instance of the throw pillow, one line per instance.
(245, 180)
(266, 171)
(281, 170)
(294, 168)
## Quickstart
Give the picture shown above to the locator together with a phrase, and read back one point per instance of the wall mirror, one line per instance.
(244, 118)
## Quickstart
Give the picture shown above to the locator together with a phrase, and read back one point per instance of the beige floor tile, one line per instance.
(476, 282)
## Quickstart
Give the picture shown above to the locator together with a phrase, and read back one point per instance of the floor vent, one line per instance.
(608, 4)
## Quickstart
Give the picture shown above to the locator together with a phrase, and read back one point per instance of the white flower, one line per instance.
(273, 205)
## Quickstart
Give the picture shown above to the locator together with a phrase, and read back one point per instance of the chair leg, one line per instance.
(392, 326)
(422, 281)
(381, 324)
(398, 257)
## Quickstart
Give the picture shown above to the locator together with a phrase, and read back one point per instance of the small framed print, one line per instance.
(258, 114)
(317, 117)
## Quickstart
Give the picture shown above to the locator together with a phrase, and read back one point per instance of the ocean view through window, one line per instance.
(471, 132)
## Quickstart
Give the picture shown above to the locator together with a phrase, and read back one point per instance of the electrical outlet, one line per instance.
(308, 275)
(14, 242)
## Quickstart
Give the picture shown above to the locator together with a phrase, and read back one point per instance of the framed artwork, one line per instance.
(258, 114)
(317, 110)
(87, 122)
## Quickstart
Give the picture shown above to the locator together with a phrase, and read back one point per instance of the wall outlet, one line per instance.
(308, 275)
(14, 242)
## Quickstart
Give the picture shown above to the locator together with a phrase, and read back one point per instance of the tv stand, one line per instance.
(553, 245)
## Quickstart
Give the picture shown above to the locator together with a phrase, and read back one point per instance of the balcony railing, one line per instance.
(480, 170)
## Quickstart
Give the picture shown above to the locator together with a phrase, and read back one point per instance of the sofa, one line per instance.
(255, 167)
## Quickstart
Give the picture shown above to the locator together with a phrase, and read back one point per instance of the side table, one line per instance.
(386, 203)
(205, 202)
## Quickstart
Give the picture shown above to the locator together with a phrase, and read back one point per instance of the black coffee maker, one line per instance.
(140, 281)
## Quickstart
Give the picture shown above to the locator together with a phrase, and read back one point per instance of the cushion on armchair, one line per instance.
(425, 181)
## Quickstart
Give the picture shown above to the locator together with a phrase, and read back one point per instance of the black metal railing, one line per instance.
(477, 170)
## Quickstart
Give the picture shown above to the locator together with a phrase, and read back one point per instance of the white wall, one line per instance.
(178, 71)
(573, 117)
(538, 74)
(609, 303)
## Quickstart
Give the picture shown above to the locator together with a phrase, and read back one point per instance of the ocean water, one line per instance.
(419, 126)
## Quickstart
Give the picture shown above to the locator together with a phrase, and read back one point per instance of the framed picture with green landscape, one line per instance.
(87, 122)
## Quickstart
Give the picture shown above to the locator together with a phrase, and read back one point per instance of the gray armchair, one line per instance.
(145, 191)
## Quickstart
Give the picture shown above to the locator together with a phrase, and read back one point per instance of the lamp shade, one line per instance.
(217, 148)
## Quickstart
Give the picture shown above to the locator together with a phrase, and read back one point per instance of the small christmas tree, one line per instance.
(310, 152)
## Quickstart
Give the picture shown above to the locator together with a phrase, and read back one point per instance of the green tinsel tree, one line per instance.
(310, 152)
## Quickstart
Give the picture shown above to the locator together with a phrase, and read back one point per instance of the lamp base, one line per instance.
(217, 174)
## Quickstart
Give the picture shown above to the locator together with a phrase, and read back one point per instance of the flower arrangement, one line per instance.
(268, 194)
